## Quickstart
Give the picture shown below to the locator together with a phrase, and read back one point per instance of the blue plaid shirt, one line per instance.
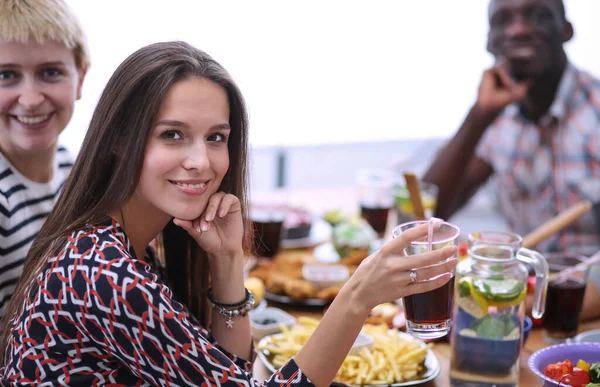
(543, 168)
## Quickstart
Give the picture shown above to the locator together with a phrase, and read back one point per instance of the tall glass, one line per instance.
(375, 197)
(564, 300)
(429, 314)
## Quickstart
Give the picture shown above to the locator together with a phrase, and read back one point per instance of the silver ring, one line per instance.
(413, 276)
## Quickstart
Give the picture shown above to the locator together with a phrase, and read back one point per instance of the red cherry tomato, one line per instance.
(463, 249)
(557, 371)
(531, 284)
(577, 378)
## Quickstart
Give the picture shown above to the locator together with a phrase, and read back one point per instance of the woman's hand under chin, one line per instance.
(219, 229)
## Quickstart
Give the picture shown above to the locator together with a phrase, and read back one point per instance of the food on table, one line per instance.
(594, 372)
(383, 314)
(353, 235)
(283, 276)
(584, 374)
(329, 293)
(354, 258)
(257, 287)
(390, 359)
(297, 224)
(463, 250)
(333, 217)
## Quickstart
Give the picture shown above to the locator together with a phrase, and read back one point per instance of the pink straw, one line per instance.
(563, 275)
(433, 222)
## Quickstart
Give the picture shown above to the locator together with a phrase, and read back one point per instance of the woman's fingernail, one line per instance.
(204, 226)
(222, 213)
(209, 216)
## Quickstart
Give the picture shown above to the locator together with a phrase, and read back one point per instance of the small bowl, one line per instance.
(323, 276)
(586, 337)
(269, 321)
(588, 352)
(487, 355)
(527, 325)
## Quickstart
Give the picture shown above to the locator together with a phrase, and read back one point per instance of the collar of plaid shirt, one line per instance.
(560, 106)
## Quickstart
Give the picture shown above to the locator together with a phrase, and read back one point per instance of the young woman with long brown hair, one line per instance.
(165, 159)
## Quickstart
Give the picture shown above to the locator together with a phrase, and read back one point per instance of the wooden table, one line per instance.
(344, 198)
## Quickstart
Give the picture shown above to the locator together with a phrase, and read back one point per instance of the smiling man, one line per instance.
(535, 128)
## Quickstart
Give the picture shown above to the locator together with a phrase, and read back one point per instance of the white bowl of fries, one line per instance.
(269, 321)
(393, 359)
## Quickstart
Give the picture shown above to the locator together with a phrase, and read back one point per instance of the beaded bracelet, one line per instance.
(231, 310)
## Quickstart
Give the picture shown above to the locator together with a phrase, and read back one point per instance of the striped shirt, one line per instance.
(543, 168)
(24, 205)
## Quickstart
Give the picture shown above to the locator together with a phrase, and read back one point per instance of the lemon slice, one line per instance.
(470, 301)
(501, 293)
(470, 305)
(508, 304)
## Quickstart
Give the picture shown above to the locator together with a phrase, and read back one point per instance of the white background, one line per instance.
(322, 71)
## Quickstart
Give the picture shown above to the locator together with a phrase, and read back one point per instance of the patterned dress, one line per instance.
(99, 316)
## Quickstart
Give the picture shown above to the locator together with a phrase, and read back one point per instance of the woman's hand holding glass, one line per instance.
(386, 274)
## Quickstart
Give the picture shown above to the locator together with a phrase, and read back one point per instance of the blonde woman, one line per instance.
(43, 61)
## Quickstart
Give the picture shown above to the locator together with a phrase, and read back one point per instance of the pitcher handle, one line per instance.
(540, 265)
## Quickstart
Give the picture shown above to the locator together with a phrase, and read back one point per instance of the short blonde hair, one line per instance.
(43, 20)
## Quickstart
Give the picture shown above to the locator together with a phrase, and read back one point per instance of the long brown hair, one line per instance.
(107, 170)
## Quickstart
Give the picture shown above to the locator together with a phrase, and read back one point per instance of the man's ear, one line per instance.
(568, 32)
(82, 72)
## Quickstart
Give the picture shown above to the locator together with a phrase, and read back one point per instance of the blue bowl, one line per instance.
(485, 355)
(589, 352)
(527, 325)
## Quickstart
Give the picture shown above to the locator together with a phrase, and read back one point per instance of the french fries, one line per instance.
(391, 358)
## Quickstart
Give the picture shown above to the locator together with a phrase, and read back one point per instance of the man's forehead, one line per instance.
(495, 5)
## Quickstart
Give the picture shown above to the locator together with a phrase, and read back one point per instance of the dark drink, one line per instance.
(267, 237)
(563, 307)
(429, 314)
(377, 217)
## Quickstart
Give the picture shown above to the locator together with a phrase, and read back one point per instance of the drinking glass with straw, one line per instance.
(566, 289)
(429, 315)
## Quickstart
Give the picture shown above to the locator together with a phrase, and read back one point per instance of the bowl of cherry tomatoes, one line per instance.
(572, 364)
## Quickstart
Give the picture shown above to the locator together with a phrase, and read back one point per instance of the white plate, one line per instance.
(320, 232)
(431, 362)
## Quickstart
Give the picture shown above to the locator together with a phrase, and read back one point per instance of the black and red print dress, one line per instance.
(99, 316)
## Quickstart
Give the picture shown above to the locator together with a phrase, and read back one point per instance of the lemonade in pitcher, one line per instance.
(487, 331)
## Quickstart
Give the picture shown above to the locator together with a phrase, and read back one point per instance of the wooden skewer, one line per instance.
(557, 223)
(414, 191)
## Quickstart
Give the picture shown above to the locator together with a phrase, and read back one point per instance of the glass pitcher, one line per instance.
(489, 310)
(496, 238)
